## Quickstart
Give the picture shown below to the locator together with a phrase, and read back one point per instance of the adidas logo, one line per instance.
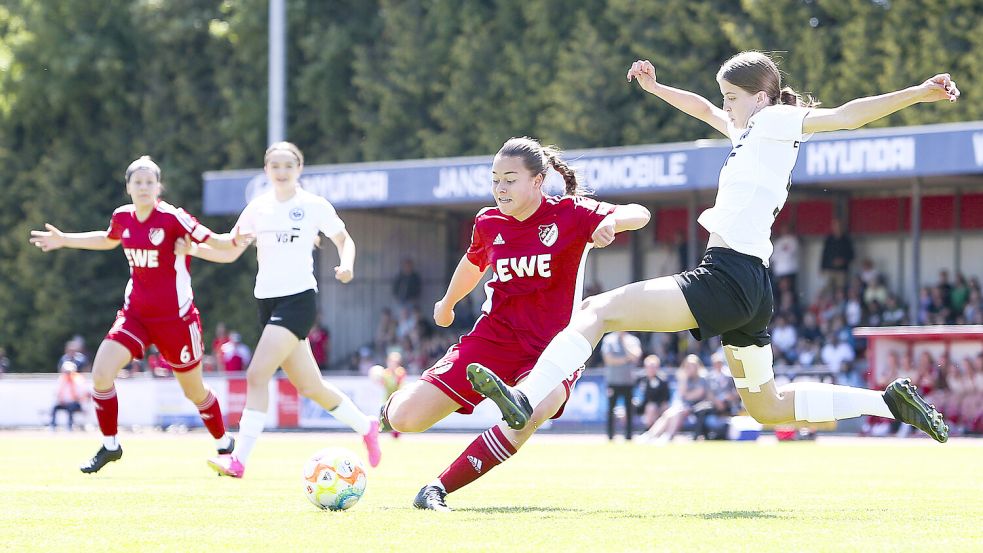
(205, 416)
(126, 233)
(498, 241)
(476, 462)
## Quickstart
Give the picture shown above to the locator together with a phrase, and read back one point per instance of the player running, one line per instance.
(729, 293)
(537, 246)
(158, 306)
(286, 222)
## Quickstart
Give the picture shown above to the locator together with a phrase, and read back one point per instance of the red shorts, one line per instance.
(178, 339)
(507, 360)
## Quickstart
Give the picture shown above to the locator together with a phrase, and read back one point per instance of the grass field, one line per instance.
(558, 494)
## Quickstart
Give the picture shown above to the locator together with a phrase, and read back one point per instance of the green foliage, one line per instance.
(85, 87)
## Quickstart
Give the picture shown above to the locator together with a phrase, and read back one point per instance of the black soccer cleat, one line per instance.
(909, 407)
(431, 498)
(102, 458)
(230, 449)
(514, 405)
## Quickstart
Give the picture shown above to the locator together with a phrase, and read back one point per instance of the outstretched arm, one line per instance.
(185, 246)
(52, 239)
(625, 217)
(859, 112)
(466, 276)
(687, 102)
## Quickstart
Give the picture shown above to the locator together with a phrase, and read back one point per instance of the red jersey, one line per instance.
(160, 282)
(537, 268)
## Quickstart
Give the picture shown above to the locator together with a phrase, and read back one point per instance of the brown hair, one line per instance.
(538, 158)
(284, 146)
(755, 71)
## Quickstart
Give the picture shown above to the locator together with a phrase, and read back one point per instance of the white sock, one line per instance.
(568, 351)
(250, 427)
(223, 442)
(438, 483)
(348, 413)
(815, 402)
(110, 442)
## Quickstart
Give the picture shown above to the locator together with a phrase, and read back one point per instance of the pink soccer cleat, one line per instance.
(227, 465)
(372, 444)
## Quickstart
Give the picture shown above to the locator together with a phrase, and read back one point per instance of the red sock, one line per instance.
(211, 415)
(107, 410)
(487, 451)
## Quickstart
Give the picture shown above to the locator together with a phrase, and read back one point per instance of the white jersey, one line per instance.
(755, 179)
(285, 233)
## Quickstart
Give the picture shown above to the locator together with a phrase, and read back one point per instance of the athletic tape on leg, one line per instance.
(757, 362)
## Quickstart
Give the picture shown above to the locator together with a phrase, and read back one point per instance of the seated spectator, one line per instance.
(385, 331)
(783, 339)
(808, 352)
(837, 355)
(69, 393)
(868, 273)
(235, 354)
(713, 414)
(973, 311)
(893, 314)
(691, 389)
(73, 354)
(652, 391)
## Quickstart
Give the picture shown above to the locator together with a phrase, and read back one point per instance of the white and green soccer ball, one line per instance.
(334, 479)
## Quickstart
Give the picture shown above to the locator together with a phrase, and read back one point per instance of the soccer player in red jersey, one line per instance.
(729, 294)
(158, 306)
(536, 246)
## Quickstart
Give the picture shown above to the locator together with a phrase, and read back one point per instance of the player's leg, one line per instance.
(751, 367)
(180, 344)
(275, 344)
(304, 374)
(490, 449)
(111, 357)
(417, 407)
(656, 305)
(193, 385)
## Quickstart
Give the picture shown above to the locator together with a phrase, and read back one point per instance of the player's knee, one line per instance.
(404, 420)
(256, 378)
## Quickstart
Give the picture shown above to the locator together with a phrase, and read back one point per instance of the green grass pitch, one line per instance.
(560, 493)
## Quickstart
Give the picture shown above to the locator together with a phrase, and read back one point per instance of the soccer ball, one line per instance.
(334, 479)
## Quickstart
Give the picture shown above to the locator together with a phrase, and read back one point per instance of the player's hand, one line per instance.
(344, 274)
(182, 246)
(604, 233)
(243, 238)
(52, 239)
(443, 313)
(940, 87)
(644, 73)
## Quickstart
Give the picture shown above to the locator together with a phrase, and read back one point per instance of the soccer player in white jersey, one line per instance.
(158, 307)
(729, 293)
(286, 222)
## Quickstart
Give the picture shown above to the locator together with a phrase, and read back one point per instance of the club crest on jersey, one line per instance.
(296, 214)
(156, 236)
(548, 234)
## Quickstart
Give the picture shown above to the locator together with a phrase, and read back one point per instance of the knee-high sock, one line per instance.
(211, 415)
(487, 451)
(107, 411)
(568, 351)
(348, 413)
(250, 427)
(816, 402)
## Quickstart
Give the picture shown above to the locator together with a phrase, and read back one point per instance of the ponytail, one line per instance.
(570, 185)
(790, 97)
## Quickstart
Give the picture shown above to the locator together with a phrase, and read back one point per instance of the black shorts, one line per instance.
(296, 313)
(729, 294)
